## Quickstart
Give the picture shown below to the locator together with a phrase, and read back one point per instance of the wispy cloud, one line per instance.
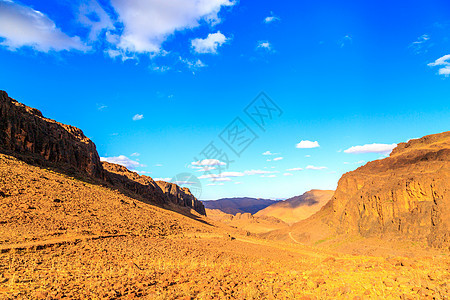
(307, 144)
(278, 158)
(209, 44)
(310, 167)
(288, 174)
(371, 148)
(265, 45)
(420, 45)
(208, 162)
(137, 117)
(257, 172)
(272, 18)
(347, 39)
(295, 169)
(269, 153)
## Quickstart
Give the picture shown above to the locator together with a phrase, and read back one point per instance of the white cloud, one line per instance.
(308, 155)
(158, 165)
(209, 44)
(271, 18)
(315, 168)
(295, 169)
(371, 148)
(269, 176)
(288, 174)
(307, 144)
(123, 161)
(265, 45)
(148, 23)
(444, 64)
(135, 154)
(208, 162)
(269, 153)
(22, 26)
(166, 179)
(278, 158)
(238, 182)
(138, 117)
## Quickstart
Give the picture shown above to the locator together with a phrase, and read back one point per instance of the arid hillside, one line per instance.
(405, 196)
(297, 208)
(239, 205)
(25, 133)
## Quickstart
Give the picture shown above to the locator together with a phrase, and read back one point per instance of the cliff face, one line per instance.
(181, 196)
(24, 130)
(406, 194)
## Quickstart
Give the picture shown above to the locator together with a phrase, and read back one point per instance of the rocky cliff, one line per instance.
(181, 196)
(405, 196)
(25, 130)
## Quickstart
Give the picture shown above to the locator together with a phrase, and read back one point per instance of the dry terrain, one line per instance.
(63, 238)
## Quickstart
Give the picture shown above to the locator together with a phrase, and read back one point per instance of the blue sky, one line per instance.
(153, 82)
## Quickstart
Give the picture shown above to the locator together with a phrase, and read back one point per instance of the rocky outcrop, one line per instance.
(181, 196)
(404, 196)
(24, 130)
(142, 186)
(160, 192)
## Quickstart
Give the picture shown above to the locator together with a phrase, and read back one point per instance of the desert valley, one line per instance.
(72, 227)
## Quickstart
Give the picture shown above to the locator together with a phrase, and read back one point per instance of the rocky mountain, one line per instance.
(24, 130)
(239, 205)
(297, 208)
(405, 196)
(27, 134)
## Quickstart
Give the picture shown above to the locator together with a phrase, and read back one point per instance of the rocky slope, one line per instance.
(297, 208)
(405, 196)
(27, 134)
(239, 205)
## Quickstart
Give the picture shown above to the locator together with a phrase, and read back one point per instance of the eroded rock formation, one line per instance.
(25, 130)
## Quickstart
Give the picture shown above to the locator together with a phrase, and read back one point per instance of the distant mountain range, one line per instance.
(237, 205)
